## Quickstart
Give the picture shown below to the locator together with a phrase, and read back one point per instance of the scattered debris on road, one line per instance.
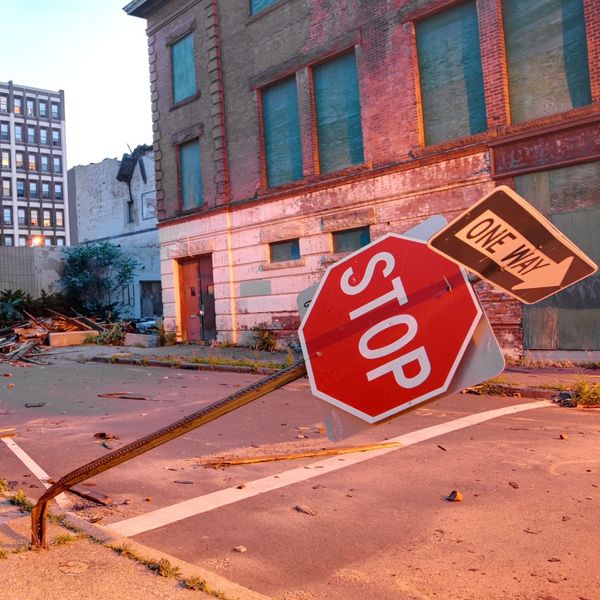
(91, 495)
(240, 549)
(455, 496)
(228, 462)
(307, 510)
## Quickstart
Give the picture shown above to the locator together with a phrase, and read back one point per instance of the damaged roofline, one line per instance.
(141, 8)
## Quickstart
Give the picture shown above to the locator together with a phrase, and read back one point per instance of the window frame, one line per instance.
(188, 33)
(341, 232)
(180, 183)
(295, 254)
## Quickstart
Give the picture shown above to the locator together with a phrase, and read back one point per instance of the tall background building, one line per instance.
(33, 167)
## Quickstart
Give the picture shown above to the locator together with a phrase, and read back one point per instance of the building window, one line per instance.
(21, 217)
(281, 126)
(54, 108)
(3, 103)
(57, 164)
(7, 216)
(6, 188)
(56, 137)
(43, 136)
(8, 240)
(4, 132)
(60, 241)
(43, 108)
(5, 159)
(183, 68)
(58, 191)
(44, 163)
(47, 218)
(34, 217)
(450, 74)
(190, 177)
(45, 190)
(286, 250)
(337, 107)
(31, 135)
(33, 189)
(47, 241)
(23, 240)
(18, 133)
(20, 188)
(59, 219)
(20, 160)
(18, 105)
(31, 161)
(349, 240)
(546, 57)
(30, 107)
(258, 5)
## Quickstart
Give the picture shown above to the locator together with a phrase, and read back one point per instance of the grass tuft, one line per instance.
(4, 487)
(586, 394)
(20, 500)
(64, 538)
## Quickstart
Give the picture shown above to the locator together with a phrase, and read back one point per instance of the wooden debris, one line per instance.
(125, 396)
(455, 496)
(227, 462)
(307, 510)
(91, 495)
(8, 432)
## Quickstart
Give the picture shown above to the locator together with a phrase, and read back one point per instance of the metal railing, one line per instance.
(158, 438)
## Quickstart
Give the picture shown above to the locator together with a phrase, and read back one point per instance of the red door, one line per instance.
(198, 300)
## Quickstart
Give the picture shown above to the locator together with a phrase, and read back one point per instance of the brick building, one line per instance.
(33, 167)
(289, 132)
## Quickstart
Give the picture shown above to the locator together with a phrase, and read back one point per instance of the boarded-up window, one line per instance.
(450, 73)
(337, 106)
(547, 57)
(349, 240)
(258, 5)
(286, 250)
(282, 133)
(183, 68)
(190, 175)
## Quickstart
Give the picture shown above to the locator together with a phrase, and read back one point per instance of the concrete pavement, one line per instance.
(84, 570)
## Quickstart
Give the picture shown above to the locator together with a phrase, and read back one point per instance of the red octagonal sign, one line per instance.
(387, 328)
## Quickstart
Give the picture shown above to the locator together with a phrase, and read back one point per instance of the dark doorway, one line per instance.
(151, 299)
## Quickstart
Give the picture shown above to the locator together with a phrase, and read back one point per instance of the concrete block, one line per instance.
(143, 340)
(69, 338)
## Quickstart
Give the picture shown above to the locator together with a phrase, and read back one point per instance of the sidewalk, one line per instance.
(90, 564)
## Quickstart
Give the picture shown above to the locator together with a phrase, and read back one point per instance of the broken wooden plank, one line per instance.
(8, 432)
(89, 322)
(225, 462)
(73, 321)
(125, 396)
(91, 495)
(37, 321)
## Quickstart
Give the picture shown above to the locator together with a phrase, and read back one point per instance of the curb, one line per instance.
(144, 362)
(106, 537)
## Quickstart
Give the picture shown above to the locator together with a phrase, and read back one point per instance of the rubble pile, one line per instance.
(24, 342)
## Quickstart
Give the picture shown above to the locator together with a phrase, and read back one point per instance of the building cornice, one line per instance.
(142, 8)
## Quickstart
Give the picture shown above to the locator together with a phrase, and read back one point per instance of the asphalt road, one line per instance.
(381, 526)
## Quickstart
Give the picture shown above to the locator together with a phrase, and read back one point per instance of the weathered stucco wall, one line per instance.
(106, 211)
(250, 290)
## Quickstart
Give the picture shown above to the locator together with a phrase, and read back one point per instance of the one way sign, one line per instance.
(506, 241)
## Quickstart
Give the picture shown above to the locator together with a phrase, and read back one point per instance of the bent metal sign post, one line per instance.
(509, 243)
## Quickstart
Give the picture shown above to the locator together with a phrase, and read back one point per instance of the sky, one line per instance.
(98, 55)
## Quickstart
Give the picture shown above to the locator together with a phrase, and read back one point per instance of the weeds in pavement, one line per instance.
(3, 554)
(198, 584)
(24, 548)
(495, 387)
(586, 394)
(165, 569)
(4, 487)
(63, 539)
(20, 500)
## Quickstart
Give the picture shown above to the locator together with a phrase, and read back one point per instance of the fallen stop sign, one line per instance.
(387, 328)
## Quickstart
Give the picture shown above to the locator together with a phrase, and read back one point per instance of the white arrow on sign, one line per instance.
(512, 252)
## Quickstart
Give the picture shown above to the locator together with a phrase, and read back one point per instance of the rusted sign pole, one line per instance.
(162, 436)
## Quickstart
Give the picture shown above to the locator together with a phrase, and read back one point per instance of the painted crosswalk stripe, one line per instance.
(195, 506)
(61, 499)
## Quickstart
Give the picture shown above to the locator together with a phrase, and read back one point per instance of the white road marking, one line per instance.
(61, 499)
(195, 506)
